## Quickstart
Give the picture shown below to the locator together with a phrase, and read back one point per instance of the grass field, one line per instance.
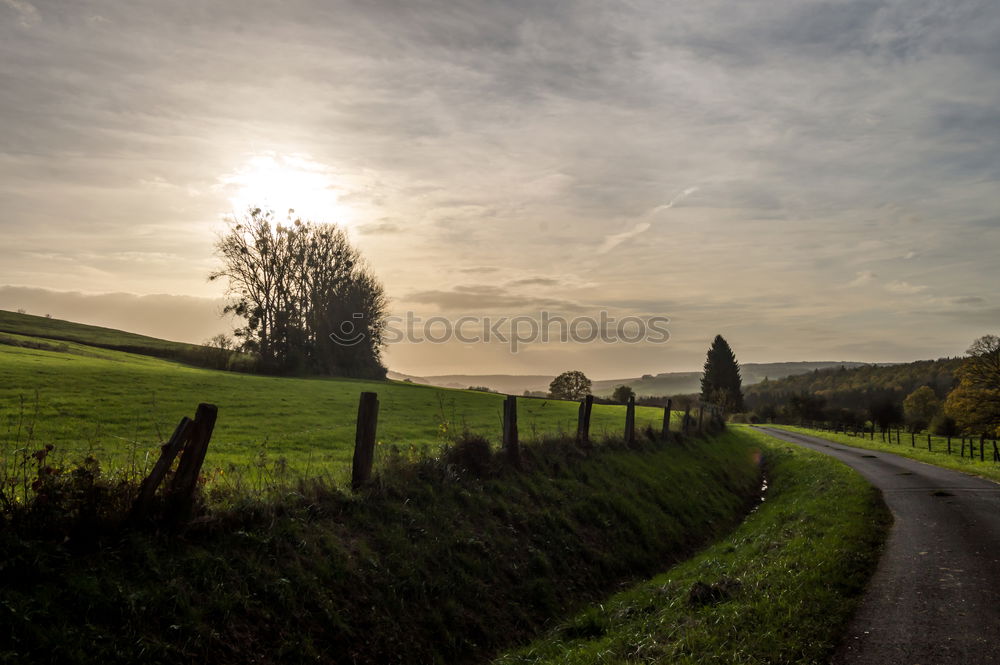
(120, 406)
(917, 449)
(779, 589)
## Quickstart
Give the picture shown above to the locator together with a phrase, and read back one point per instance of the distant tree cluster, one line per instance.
(944, 397)
(308, 300)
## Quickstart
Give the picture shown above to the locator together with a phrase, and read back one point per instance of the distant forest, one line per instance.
(852, 390)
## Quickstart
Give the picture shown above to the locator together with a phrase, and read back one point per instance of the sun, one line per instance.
(286, 182)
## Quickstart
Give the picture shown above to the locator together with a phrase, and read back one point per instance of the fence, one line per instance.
(934, 443)
(190, 442)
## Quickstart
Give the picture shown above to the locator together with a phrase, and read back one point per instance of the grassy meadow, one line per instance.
(119, 406)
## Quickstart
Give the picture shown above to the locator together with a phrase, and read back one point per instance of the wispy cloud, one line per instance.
(613, 240)
(899, 286)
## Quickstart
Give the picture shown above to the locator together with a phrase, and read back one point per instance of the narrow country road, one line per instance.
(935, 597)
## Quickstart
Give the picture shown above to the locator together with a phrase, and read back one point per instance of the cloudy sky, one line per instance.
(814, 180)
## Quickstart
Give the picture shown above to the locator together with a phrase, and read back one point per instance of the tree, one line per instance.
(721, 383)
(622, 394)
(975, 402)
(570, 385)
(885, 413)
(308, 301)
(919, 408)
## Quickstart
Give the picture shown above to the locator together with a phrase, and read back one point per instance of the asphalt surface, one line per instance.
(935, 596)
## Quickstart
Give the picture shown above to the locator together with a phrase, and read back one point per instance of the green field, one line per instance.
(119, 406)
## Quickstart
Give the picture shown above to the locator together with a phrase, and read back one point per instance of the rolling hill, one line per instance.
(666, 383)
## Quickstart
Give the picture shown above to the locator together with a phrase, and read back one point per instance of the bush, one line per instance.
(943, 425)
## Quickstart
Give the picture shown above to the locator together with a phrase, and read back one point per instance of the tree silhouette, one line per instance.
(721, 383)
(570, 385)
(622, 393)
(308, 301)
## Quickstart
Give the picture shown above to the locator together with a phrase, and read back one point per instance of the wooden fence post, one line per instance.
(913, 439)
(701, 413)
(168, 453)
(684, 423)
(996, 453)
(949, 444)
(364, 440)
(982, 442)
(665, 430)
(630, 420)
(873, 431)
(182, 486)
(511, 444)
(928, 441)
(583, 420)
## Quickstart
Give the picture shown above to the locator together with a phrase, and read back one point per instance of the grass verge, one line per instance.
(441, 561)
(780, 589)
(917, 449)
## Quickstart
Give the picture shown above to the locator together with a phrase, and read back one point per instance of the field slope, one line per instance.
(120, 406)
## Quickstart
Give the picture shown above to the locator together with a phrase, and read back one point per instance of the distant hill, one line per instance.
(666, 383)
(117, 340)
(856, 388)
(107, 338)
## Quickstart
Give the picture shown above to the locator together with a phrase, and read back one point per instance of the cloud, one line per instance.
(612, 241)
(477, 299)
(534, 281)
(26, 12)
(899, 286)
(863, 277)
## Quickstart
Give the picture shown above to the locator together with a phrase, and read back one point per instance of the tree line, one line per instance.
(945, 396)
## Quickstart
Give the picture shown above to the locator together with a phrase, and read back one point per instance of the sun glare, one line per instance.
(284, 182)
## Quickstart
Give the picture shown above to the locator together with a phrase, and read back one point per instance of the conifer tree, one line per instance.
(721, 383)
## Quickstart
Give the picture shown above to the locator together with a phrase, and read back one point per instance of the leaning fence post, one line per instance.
(185, 480)
(583, 420)
(630, 420)
(168, 453)
(511, 445)
(666, 420)
(364, 440)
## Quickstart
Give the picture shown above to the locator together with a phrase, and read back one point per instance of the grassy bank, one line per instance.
(917, 449)
(119, 406)
(432, 565)
(780, 589)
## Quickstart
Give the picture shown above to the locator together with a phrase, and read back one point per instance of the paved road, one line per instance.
(935, 596)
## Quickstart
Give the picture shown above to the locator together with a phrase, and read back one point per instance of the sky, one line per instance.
(813, 180)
